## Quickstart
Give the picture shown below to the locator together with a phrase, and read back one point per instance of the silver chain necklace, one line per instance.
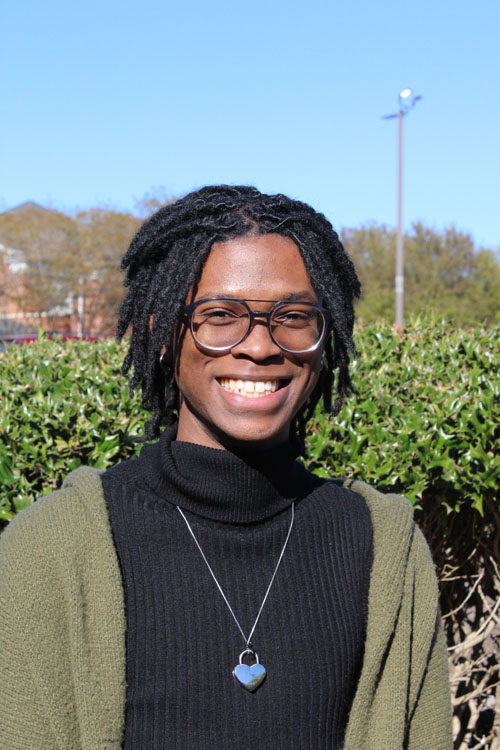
(249, 677)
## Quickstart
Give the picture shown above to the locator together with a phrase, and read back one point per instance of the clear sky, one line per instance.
(104, 101)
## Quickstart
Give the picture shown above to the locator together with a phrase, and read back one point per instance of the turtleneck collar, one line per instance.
(223, 485)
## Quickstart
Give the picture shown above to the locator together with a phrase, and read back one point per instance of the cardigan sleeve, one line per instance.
(430, 720)
(62, 624)
(25, 722)
(403, 698)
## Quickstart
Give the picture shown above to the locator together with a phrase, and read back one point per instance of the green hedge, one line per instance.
(63, 404)
(425, 420)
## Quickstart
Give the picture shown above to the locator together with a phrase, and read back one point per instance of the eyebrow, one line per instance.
(298, 296)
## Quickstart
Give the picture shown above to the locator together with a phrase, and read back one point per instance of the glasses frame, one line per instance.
(188, 310)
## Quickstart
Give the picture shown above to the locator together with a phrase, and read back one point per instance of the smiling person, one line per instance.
(212, 593)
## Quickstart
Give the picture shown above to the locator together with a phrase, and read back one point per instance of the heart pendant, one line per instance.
(250, 677)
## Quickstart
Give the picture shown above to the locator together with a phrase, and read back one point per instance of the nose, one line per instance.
(258, 344)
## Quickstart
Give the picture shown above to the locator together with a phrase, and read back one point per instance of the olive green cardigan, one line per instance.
(62, 631)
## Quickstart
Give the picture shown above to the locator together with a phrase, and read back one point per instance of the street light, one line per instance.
(407, 101)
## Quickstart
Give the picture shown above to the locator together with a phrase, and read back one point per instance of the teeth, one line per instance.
(250, 388)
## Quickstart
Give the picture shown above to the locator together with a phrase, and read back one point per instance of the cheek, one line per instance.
(311, 374)
(315, 365)
(186, 365)
(315, 376)
(193, 366)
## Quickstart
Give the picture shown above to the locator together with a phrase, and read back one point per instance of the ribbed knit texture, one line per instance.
(62, 625)
(182, 643)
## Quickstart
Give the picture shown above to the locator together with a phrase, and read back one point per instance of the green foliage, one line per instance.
(60, 258)
(426, 420)
(63, 404)
(444, 272)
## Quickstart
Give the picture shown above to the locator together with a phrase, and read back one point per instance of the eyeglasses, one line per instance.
(220, 323)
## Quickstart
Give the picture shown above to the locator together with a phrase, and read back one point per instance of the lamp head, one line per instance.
(405, 93)
(407, 100)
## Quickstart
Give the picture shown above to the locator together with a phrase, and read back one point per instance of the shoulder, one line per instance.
(377, 501)
(59, 550)
(129, 471)
(398, 542)
(66, 518)
(333, 498)
(389, 512)
(385, 510)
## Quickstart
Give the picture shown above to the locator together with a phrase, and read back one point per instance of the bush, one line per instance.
(63, 404)
(425, 421)
(426, 416)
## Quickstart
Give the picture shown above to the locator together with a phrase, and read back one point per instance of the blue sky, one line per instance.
(106, 101)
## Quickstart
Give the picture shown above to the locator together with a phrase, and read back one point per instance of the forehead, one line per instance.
(267, 266)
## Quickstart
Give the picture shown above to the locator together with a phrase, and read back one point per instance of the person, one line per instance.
(212, 592)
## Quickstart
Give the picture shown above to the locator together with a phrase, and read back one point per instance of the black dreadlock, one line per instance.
(166, 258)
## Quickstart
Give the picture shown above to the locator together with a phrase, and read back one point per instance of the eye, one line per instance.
(296, 315)
(218, 314)
(293, 317)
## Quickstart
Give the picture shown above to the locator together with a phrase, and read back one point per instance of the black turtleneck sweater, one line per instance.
(182, 642)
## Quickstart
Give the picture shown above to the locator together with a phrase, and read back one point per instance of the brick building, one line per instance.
(20, 312)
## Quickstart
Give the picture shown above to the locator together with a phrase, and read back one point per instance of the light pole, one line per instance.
(406, 102)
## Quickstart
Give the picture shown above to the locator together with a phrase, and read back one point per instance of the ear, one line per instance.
(166, 359)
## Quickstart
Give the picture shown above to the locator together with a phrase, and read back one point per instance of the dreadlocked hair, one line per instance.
(166, 258)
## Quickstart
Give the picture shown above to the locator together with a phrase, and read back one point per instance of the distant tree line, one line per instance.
(444, 272)
(49, 257)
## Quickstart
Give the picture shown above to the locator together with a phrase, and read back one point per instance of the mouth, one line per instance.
(252, 388)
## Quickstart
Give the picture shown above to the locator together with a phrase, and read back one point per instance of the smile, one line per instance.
(251, 388)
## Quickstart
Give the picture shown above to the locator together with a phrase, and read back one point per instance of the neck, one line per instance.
(243, 486)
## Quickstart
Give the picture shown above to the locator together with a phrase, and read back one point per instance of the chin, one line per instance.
(221, 428)
(253, 436)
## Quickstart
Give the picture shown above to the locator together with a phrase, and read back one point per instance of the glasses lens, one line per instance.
(219, 324)
(297, 327)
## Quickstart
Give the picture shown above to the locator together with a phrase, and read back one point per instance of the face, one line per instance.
(264, 267)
